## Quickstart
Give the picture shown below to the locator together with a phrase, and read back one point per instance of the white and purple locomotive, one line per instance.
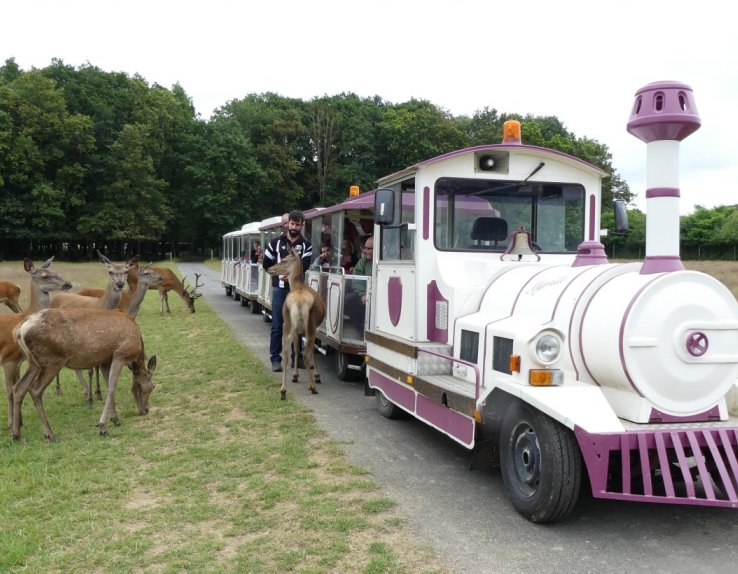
(497, 319)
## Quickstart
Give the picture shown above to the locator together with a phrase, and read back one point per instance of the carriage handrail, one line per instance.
(477, 374)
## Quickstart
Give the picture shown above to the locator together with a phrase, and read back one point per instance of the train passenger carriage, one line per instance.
(498, 320)
(247, 276)
(269, 228)
(342, 226)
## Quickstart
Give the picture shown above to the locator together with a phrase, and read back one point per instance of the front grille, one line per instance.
(501, 352)
(697, 466)
(469, 350)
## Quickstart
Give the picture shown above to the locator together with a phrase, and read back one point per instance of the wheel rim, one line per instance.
(526, 459)
(382, 399)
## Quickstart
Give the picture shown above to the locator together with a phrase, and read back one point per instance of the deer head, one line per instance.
(118, 272)
(191, 294)
(142, 385)
(44, 280)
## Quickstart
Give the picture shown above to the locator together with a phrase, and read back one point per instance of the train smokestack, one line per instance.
(664, 113)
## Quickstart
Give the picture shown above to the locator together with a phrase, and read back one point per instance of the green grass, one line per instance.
(221, 476)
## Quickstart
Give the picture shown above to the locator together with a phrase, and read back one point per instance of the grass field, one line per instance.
(221, 476)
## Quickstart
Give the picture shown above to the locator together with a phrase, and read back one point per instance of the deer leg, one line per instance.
(286, 341)
(295, 351)
(309, 357)
(98, 392)
(113, 411)
(85, 387)
(36, 389)
(166, 302)
(162, 294)
(112, 378)
(11, 369)
(58, 386)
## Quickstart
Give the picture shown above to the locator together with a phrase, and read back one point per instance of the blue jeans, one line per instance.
(275, 344)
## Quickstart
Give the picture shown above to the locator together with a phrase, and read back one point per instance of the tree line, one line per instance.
(91, 159)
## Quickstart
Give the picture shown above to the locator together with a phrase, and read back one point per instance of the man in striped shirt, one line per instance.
(274, 252)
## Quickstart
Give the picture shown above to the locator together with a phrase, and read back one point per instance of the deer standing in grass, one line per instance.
(80, 339)
(303, 312)
(117, 275)
(172, 283)
(139, 281)
(43, 282)
(10, 294)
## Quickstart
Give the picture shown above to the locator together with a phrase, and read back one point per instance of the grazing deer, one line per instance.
(130, 303)
(172, 283)
(117, 275)
(43, 282)
(302, 312)
(9, 294)
(80, 339)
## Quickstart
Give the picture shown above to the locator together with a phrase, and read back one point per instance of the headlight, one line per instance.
(548, 348)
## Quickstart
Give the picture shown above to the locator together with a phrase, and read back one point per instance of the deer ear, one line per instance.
(152, 365)
(104, 259)
(47, 263)
(28, 266)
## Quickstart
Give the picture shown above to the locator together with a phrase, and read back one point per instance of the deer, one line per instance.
(80, 339)
(172, 283)
(43, 282)
(130, 303)
(303, 312)
(117, 275)
(9, 294)
(140, 280)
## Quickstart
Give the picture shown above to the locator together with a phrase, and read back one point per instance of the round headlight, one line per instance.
(548, 348)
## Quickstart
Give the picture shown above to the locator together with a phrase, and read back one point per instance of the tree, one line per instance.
(134, 206)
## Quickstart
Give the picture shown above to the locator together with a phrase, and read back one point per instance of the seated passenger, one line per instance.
(355, 300)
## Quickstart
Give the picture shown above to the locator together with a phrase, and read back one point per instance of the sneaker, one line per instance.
(276, 367)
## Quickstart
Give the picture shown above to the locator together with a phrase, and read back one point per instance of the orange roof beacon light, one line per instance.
(511, 132)
(354, 191)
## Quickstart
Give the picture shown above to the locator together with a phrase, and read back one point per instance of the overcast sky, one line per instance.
(579, 60)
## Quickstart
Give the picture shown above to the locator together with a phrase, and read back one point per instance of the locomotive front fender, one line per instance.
(574, 404)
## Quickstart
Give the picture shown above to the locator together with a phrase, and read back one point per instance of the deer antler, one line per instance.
(193, 292)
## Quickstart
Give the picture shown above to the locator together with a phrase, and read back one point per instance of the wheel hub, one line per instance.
(526, 458)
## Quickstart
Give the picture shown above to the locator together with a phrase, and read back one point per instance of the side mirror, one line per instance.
(621, 217)
(384, 206)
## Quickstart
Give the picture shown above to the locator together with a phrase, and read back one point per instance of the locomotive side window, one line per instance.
(473, 214)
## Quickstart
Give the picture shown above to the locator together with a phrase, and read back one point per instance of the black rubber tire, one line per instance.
(255, 307)
(244, 302)
(343, 372)
(228, 291)
(541, 464)
(387, 408)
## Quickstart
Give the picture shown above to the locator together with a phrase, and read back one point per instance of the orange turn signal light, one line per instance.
(545, 377)
(515, 363)
(354, 190)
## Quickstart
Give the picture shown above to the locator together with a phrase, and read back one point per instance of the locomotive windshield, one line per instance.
(474, 214)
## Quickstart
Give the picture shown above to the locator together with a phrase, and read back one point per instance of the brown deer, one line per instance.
(303, 312)
(43, 282)
(172, 283)
(117, 275)
(80, 339)
(130, 303)
(140, 280)
(9, 294)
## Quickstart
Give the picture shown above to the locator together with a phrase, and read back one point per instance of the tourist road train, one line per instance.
(495, 317)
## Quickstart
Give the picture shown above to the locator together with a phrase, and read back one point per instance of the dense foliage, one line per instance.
(95, 159)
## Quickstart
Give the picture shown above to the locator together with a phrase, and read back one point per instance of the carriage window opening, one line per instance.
(474, 214)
